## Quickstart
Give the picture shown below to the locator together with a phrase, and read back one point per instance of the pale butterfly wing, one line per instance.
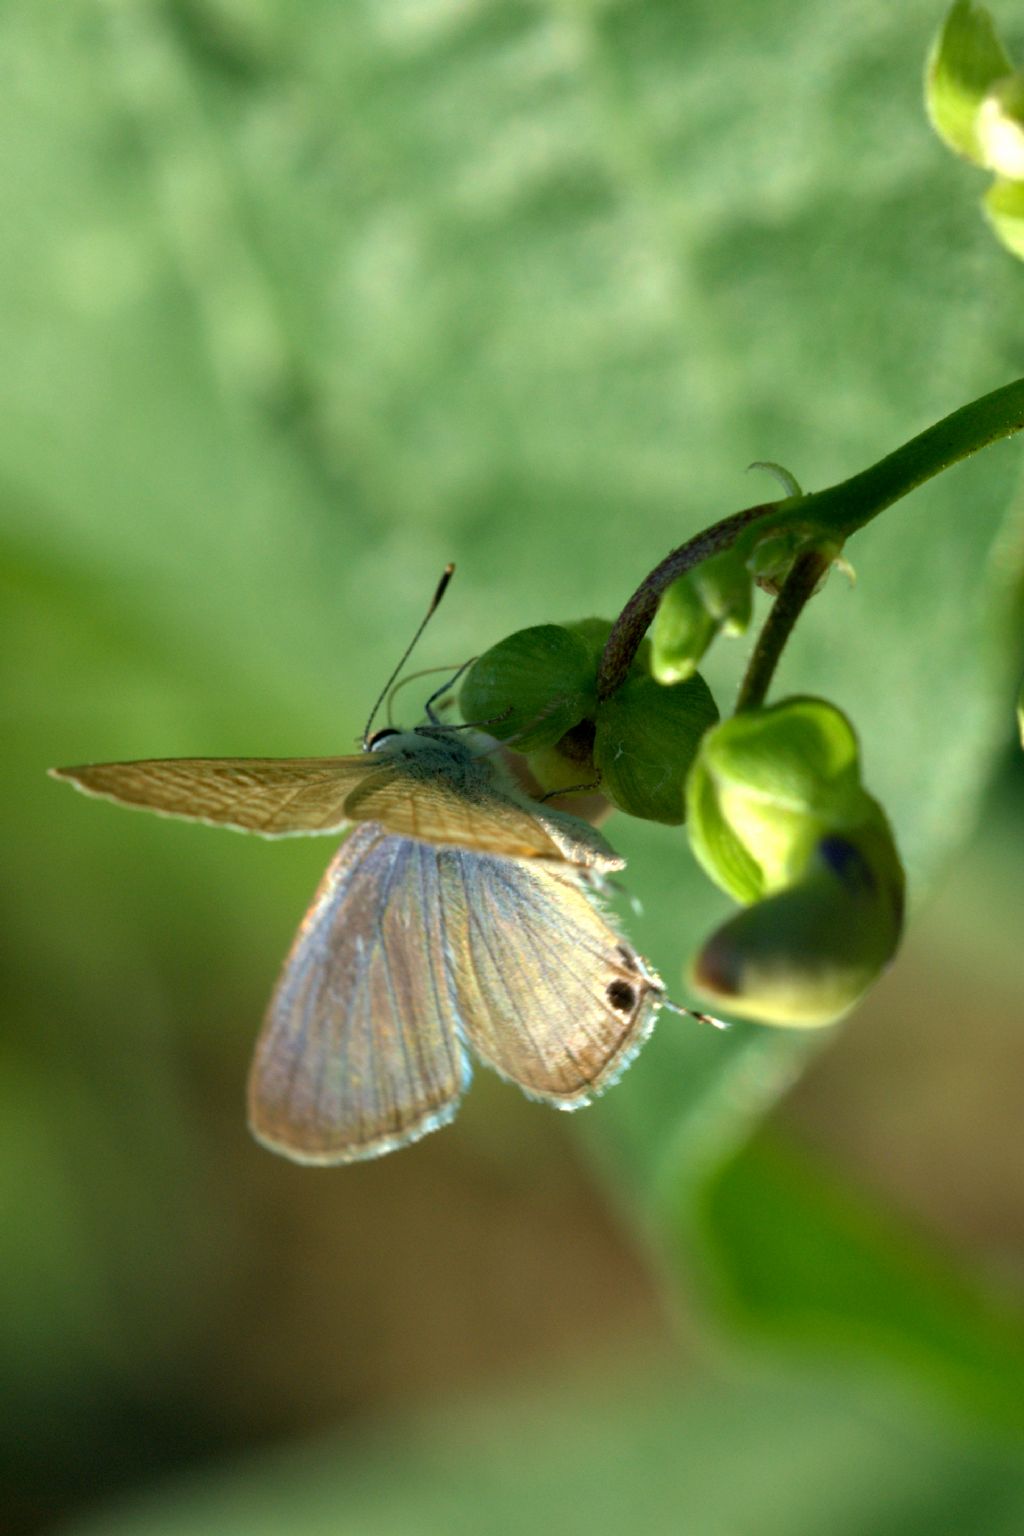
(434, 811)
(275, 797)
(444, 796)
(411, 952)
(546, 991)
(359, 1052)
(449, 796)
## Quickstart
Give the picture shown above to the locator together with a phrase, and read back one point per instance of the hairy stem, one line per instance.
(635, 619)
(797, 590)
(838, 511)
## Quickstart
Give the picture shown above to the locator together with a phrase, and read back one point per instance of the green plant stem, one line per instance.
(797, 590)
(844, 508)
(635, 619)
(837, 512)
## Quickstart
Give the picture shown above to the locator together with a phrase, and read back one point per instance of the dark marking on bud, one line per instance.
(719, 968)
(846, 861)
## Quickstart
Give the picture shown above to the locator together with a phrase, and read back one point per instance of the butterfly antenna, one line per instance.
(691, 1013)
(442, 587)
(412, 677)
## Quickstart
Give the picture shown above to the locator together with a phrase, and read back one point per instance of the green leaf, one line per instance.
(647, 737)
(530, 688)
(966, 60)
(796, 1254)
(619, 1446)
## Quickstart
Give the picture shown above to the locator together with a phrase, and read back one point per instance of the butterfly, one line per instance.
(459, 917)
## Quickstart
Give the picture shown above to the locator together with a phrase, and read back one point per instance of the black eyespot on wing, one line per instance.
(621, 995)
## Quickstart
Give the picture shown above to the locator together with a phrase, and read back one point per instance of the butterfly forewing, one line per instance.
(275, 797)
(434, 811)
(547, 992)
(359, 1052)
(449, 795)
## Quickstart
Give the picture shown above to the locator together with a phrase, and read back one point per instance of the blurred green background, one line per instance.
(299, 303)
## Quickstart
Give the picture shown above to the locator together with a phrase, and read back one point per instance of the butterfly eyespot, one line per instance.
(379, 736)
(621, 996)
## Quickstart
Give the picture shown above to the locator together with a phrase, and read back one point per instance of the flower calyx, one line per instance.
(536, 691)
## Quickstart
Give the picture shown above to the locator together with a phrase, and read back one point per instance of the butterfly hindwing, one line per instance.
(411, 952)
(359, 1052)
(547, 993)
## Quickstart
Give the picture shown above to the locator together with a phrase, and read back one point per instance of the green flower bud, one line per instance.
(1001, 128)
(766, 786)
(683, 630)
(568, 765)
(533, 686)
(967, 60)
(1004, 209)
(774, 556)
(779, 818)
(647, 735)
(715, 595)
(804, 956)
(727, 591)
(772, 559)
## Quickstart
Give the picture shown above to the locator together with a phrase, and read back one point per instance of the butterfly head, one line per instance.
(423, 741)
(379, 741)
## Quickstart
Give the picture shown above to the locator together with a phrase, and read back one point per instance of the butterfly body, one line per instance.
(458, 917)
